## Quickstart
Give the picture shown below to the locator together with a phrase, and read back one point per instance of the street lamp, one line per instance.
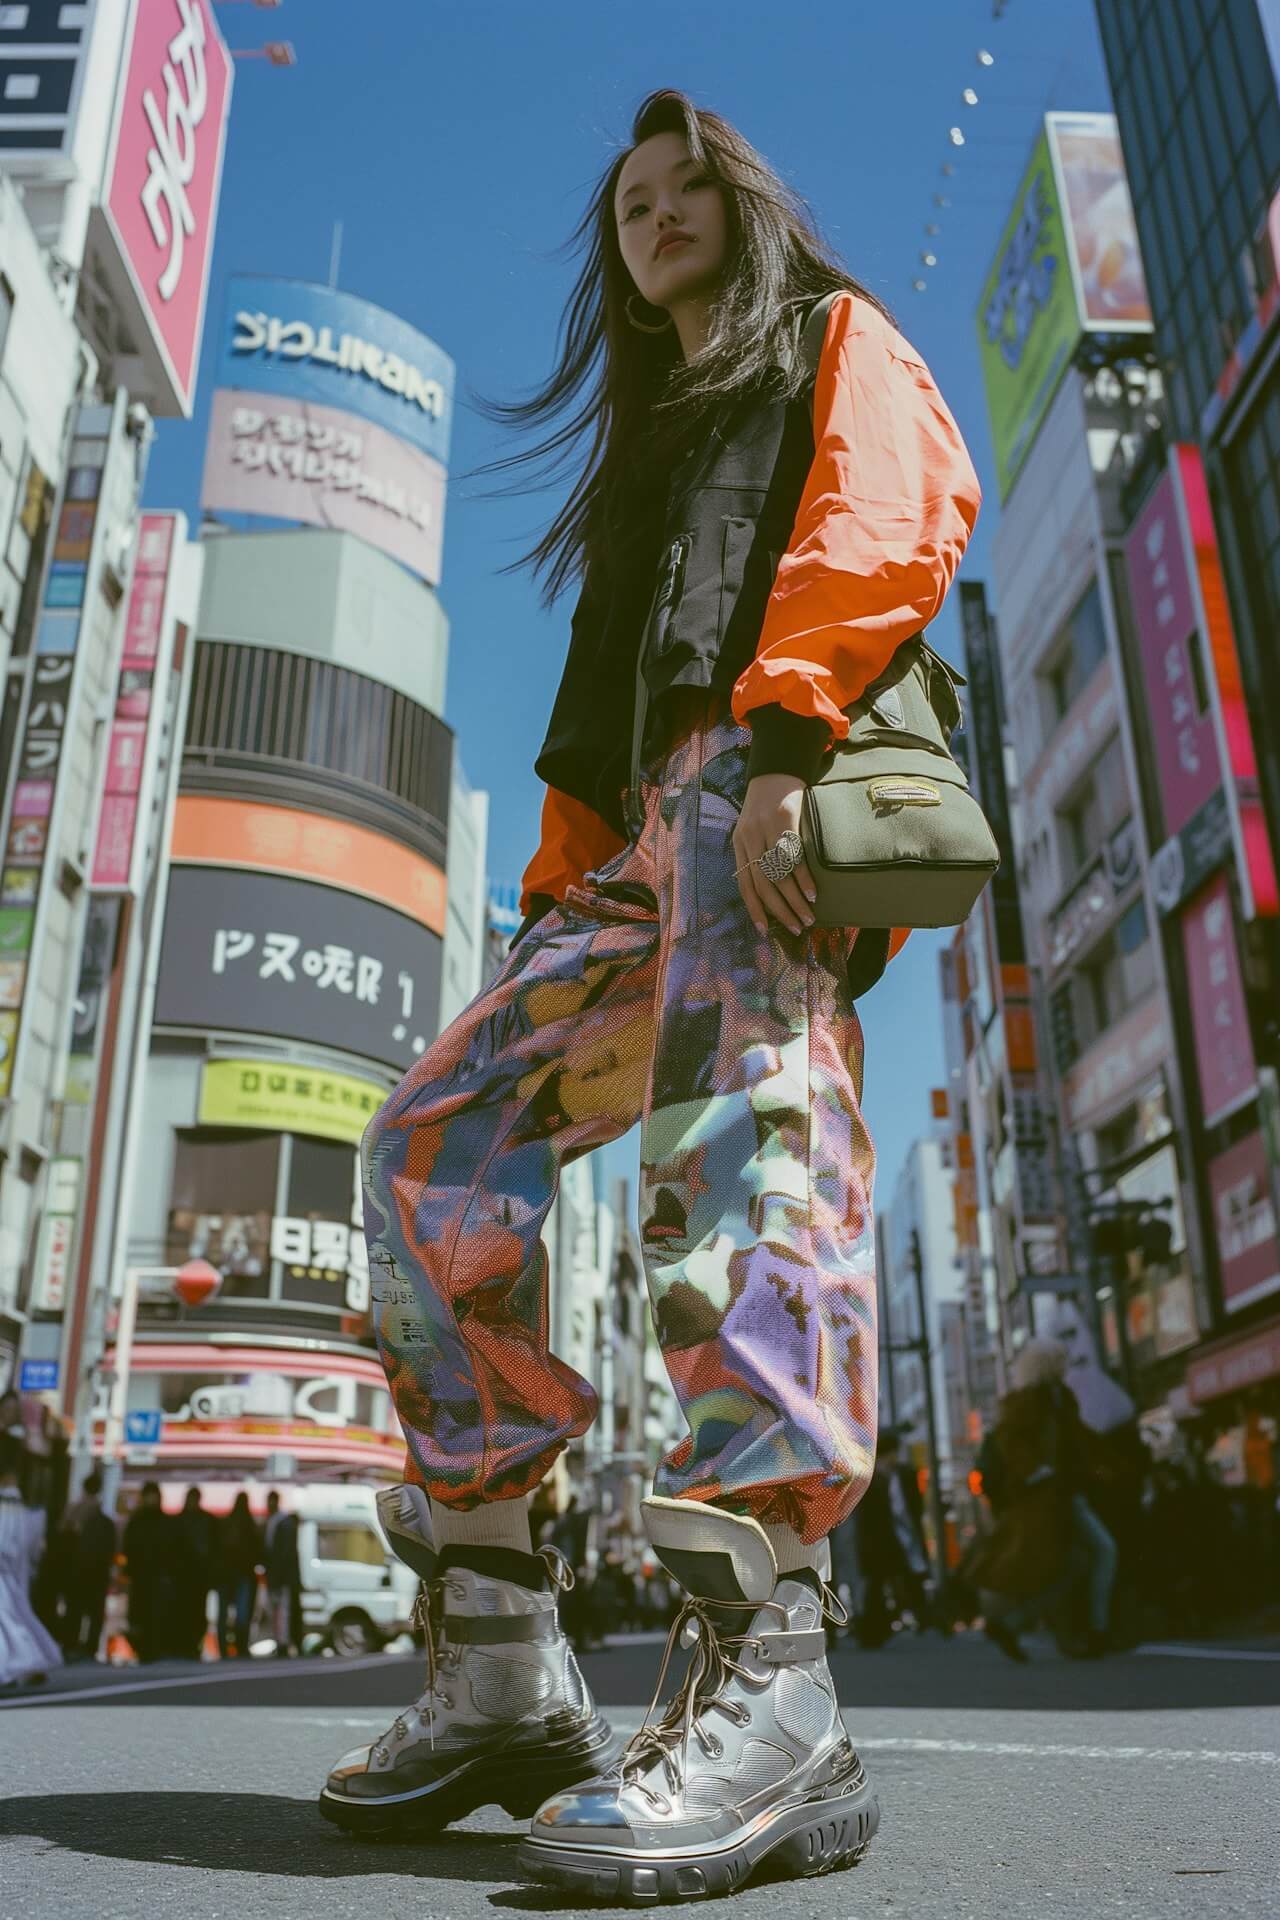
(195, 1282)
(279, 53)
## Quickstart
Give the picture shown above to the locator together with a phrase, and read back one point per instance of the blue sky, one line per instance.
(458, 144)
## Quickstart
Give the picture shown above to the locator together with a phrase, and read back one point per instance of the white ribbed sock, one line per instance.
(790, 1551)
(499, 1523)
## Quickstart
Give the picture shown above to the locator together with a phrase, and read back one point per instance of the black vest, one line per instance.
(731, 508)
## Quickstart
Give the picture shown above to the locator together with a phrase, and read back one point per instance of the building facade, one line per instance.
(1198, 107)
(104, 257)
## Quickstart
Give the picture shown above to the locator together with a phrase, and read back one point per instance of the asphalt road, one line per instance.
(1144, 1785)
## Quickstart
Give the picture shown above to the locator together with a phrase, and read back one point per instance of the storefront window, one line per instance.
(224, 1189)
(318, 1239)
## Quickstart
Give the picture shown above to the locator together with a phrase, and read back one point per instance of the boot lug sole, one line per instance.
(517, 1781)
(807, 1840)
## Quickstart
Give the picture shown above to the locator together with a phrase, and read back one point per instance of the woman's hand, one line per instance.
(772, 805)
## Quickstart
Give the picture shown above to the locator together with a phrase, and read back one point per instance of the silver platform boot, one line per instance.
(749, 1761)
(505, 1709)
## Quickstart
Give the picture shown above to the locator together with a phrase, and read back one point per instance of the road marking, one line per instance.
(1051, 1750)
(223, 1674)
(1170, 1651)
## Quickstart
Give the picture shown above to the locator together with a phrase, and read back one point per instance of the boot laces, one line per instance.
(715, 1660)
(442, 1657)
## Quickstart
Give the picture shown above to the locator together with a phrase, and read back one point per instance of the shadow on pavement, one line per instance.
(246, 1833)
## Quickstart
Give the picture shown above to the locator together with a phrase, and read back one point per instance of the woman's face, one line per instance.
(662, 192)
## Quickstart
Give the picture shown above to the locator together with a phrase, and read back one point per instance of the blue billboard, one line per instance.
(331, 349)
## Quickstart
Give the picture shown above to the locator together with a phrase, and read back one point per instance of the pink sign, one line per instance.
(1164, 610)
(294, 460)
(1244, 1221)
(1219, 1016)
(163, 173)
(130, 730)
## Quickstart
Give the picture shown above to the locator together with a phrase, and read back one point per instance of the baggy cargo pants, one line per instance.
(647, 995)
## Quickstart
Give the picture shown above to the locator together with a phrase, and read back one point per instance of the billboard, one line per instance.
(309, 846)
(321, 348)
(159, 198)
(252, 953)
(1244, 1222)
(324, 467)
(1178, 704)
(287, 1097)
(1255, 866)
(138, 698)
(1068, 263)
(1219, 1015)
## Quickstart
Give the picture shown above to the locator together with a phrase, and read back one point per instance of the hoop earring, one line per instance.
(645, 326)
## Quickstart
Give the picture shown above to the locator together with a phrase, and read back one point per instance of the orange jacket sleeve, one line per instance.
(574, 840)
(884, 518)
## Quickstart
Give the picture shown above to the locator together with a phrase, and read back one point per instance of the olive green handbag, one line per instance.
(892, 835)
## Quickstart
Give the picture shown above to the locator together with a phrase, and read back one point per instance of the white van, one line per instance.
(354, 1590)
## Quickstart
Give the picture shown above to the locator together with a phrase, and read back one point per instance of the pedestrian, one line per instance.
(890, 1546)
(150, 1551)
(284, 1575)
(195, 1574)
(28, 1652)
(89, 1551)
(238, 1555)
(1034, 1471)
(668, 969)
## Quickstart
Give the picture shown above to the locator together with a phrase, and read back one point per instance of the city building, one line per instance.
(1069, 374)
(323, 906)
(105, 241)
(921, 1305)
(1197, 103)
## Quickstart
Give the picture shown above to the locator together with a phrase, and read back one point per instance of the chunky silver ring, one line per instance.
(783, 857)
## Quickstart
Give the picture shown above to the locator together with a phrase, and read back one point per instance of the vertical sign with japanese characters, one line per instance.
(1177, 692)
(40, 752)
(136, 704)
(1219, 1015)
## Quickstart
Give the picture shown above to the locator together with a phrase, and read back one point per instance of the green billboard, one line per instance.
(1029, 318)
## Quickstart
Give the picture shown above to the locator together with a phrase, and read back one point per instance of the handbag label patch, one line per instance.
(903, 793)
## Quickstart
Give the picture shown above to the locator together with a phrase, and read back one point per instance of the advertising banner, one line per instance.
(321, 348)
(1245, 1222)
(296, 460)
(1219, 1015)
(290, 1099)
(259, 954)
(1028, 323)
(39, 755)
(1068, 263)
(163, 173)
(1106, 262)
(1254, 862)
(1178, 699)
(310, 846)
(136, 705)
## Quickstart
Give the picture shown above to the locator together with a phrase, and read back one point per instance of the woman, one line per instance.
(27, 1652)
(239, 1555)
(1034, 1468)
(757, 550)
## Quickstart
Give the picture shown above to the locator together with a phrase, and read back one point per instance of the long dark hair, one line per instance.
(639, 404)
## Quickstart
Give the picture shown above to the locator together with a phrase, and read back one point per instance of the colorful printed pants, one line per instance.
(647, 995)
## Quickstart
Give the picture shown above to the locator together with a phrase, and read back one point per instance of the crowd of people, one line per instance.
(1082, 1533)
(54, 1583)
(1078, 1532)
